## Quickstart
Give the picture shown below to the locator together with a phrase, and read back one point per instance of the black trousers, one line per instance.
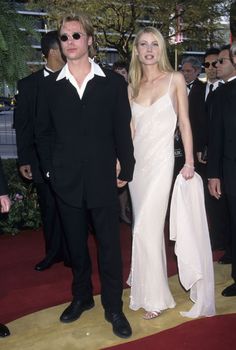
(232, 208)
(218, 215)
(55, 244)
(106, 225)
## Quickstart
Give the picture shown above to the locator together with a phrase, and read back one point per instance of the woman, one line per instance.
(158, 97)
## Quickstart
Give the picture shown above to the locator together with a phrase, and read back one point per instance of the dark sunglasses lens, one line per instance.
(214, 64)
(207, 64)
(64, 37)
(221, 61)
(76, 36)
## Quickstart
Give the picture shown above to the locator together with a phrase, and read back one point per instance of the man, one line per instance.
(120, 67)
(4, 208)
(212, 82)
(222, 148)
(217, 211)
(27, 154)
(191, 68)
(81, 132)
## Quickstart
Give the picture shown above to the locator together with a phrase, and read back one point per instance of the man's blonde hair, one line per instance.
(86, 23)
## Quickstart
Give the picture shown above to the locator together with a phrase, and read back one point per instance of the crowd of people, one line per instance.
(83, 131)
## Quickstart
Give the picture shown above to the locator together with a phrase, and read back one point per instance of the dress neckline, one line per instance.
(152, 104)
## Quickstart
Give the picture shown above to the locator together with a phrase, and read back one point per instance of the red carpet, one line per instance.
(24, 290)
(216, 333)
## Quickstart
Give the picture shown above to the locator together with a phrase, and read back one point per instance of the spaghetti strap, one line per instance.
(170, 82)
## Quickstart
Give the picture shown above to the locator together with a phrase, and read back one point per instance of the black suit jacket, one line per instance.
(3, 183)
(24, 122)
(79, 140)
(222, 140)
(197, 114)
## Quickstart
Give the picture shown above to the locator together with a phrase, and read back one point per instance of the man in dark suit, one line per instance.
(191, 68)
(81, 132)
(217, 211)
(5, 204)
(27, 154)
(121, 68)
(222, 148)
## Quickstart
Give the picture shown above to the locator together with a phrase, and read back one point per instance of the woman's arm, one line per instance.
(184, 125)
(130, 102)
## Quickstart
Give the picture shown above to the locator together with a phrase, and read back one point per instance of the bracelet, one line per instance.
(189, 166)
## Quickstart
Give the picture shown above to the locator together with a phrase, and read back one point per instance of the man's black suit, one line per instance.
(199, 117)
(79, 141)
(222, 151)
(27, 154)
(196, 99)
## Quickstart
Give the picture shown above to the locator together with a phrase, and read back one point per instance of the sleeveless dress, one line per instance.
(150, 189)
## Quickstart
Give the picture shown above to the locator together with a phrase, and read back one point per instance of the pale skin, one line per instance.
(5, 203)
(76, 53)
(154, 84)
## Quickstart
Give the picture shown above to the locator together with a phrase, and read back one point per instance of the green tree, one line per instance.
(15, 48)
(233, 20)
(116, 22)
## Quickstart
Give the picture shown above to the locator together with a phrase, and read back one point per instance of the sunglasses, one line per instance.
(220, 60)
(207, 64)
(75, 36)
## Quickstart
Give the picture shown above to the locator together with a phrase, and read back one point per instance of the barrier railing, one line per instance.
(7, 135)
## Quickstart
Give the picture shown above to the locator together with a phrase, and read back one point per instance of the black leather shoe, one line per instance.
(120, 324)
(75, 309)
(225, 259)
(230, 291)
(46, 264)
(4, 331)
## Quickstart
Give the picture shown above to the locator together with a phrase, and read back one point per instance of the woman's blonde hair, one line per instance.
(135, 70)
(87, 25)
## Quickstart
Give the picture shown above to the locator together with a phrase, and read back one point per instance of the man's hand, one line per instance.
(25, 171)
(214, 187)
(121, 183)
(5, 203)
(199, 158)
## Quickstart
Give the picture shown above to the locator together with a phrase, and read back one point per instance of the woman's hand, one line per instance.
(187, 171)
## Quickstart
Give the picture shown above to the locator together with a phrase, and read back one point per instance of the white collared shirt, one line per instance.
(46, 71)
(95, 70)
(232, 78)
(189, 86)
(215, 86)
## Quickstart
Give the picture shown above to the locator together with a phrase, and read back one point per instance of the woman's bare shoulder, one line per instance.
(178, 77)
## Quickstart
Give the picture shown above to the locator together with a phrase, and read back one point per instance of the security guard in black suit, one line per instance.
(222, 148)
(55, 247)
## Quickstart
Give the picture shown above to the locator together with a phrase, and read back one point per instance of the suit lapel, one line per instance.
(95, 84)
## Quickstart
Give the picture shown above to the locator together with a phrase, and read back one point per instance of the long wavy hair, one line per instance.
(135, 69)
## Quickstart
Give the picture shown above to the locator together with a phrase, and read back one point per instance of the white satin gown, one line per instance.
(150, 189)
